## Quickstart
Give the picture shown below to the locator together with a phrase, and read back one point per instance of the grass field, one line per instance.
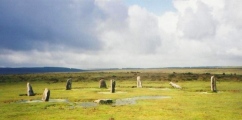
(193, 102)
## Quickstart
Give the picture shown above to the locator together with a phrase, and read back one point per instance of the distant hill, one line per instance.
(36, 70)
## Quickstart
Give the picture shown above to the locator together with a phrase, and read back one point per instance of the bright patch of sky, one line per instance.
(158, 7)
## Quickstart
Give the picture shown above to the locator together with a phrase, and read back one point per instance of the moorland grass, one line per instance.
(193, 102)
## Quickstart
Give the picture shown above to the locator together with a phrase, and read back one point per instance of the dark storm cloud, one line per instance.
(29, 24)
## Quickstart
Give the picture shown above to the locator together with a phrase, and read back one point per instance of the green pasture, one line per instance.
(193, 102)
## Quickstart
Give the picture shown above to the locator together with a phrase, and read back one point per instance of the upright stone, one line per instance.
(112, 86)
(213, 84)
(68, 84)
(46, 95)
(139, 84)
(30, 91)
(102, 84)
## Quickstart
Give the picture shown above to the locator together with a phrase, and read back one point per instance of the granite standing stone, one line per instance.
(30, 91)
(102, 84)
(213, 84)
(46, 95)
(68, 84)
(112, 86)
(139, 84)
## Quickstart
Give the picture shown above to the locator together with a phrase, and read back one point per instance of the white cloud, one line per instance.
(168, 23)
(197, 24)
(139, 33)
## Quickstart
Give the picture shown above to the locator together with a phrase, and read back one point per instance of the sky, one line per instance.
(90, 34)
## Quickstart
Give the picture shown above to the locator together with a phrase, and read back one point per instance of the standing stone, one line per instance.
(213, 84)
(46, 95)
(68, 84)
(139, 84)
(112, 86)
(102, 84)
(30, 91)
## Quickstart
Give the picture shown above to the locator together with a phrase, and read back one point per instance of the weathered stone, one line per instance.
(102, 84)
(113, 83)
(30, 91)
(139, 84)
(68, 84)
(46, 95)
(175, 85)
(104, 101)
(213, 84)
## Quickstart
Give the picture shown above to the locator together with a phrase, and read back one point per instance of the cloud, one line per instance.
(213, 24)
(107, 33)
(29, 24)
(197, 23)
(137, 33)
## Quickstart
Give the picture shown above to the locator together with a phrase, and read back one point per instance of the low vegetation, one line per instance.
(193, 101)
